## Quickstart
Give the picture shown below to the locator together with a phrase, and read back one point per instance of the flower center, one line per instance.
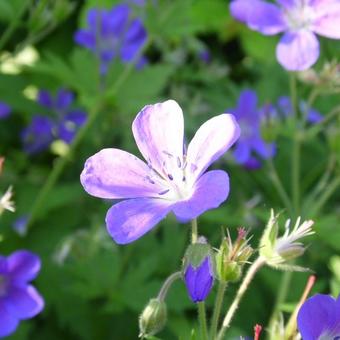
(300, 16)
(172, 176)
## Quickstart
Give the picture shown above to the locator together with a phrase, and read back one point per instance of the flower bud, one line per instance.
(198, 270)
(153, 318)
(231, 257)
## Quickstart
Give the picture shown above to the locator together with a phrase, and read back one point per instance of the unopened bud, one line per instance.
(153, 318)
(198, 270)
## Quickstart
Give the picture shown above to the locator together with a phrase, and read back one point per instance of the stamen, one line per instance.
(179, 162)
(150, 180)
(183, 179)
(164, 192)
(168, 154)
(170, 177)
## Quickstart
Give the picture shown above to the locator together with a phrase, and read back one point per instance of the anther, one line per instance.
(170, 177)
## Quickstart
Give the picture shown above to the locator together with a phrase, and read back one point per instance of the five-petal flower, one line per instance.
(173, 178)
(300, 20)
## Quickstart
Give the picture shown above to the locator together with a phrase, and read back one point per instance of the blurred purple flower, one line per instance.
(112, 34)
(20, 225)
(199, 280)
(5, 110)
(172, 180)
(300, 20)
(43, 130)
(284, 105)
(18, 299)
(205, 56)
(250, 145)
(319, 318)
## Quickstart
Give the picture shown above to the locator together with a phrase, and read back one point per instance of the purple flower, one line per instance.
(18, 299)
(205, 56)
(300, 20)
(112, 34)
(64, 125)
(5, 110)
(199, 280)
(250, 145)
(173, 178)
(20, 225)
(285, 107)
(319, 318)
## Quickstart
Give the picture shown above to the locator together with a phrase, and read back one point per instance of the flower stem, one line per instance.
(242, 289)
(217, 309)
(203, 320)
(331, 188)
(279, 186)
(194, 231)
(296, 152)
(167, 284)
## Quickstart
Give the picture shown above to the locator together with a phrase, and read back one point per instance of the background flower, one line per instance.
(19, 300)
(250, 148)
(5, 110)
(112, 34)
(64, 125)
(300, 20)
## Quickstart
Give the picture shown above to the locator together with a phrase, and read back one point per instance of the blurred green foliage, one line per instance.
(93, 288)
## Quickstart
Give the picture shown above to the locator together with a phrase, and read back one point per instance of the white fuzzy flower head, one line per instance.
(6, 202)
(277, 251)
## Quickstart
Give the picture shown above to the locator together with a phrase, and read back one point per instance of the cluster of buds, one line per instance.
(277, 251)
(327, 79)
(231, 257)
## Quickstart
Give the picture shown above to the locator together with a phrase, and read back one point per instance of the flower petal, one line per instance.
(135, 38)
(23, 265)
(297, 51)
(242, 152)
(328, 18)
(265, 150)
(8, 323)
(210, 191)
(45, 99)
(24, 302)
(247, 105)
(259, 15)
(129, 220)
(85, 38)
(316, 316)
(5, 110)
(159, 132)
(210, 142)
(64, 99)
(114, 173)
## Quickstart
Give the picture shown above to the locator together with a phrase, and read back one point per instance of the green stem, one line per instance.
(194, 231)
(274, 176)
(296, 152)
(280, 298)
(242, 289)
(167, 284)
(217, 309)
(203, 320)
(314, 130)
(331, 188)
